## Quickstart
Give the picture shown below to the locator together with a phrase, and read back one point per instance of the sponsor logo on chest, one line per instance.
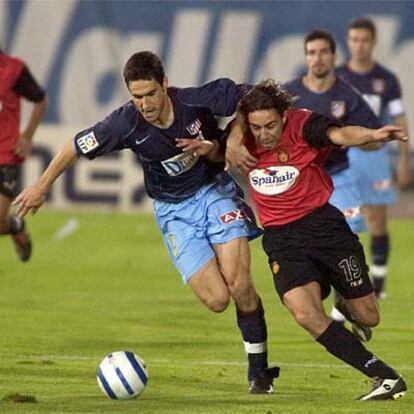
(179, 163)
(273, 180)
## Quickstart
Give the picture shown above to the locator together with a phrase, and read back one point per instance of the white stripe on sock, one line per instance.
(378, 271)
(257, 348)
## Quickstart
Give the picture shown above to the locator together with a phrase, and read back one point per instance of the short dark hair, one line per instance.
(144, 66)
(320, 34)
(268, 94)
(363, 23)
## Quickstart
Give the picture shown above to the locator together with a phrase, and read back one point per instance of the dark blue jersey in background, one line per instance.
(341, 102)
(169, 174)
(379, 87)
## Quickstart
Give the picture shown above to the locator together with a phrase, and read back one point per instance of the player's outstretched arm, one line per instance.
(355, 135)
(32, 197)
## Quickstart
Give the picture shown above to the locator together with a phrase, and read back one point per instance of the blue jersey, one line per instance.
(341, 102)
(379, 87)
(169, 174)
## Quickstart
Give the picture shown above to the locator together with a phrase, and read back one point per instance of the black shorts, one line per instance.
(318, 247)
(8, 180)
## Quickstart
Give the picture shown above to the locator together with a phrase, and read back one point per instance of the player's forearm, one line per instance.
(236, 137)
(401, 121)
(36, 117)
(216, 154)
(61, 162)
(350, 136)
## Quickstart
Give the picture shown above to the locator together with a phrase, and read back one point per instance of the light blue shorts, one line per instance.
(214, 215)
(372, 172)
(346, 198)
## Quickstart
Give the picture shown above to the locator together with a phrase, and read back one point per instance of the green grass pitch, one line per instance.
(110, 286)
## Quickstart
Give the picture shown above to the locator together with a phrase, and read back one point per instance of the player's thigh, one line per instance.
(365, 309)
(234, 260)
(209, 286)
(376, 217)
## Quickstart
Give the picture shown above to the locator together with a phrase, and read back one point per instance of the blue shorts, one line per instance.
(372, 172)
(346, 198)
(214, 215)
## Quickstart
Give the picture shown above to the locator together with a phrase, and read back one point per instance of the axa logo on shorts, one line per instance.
(180, 163)
(273, 180)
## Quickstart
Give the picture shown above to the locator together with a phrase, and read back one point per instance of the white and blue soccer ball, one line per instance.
(122, 375)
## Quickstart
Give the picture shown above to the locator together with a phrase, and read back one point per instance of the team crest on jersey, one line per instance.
(87, 142)
(378, 85)
(195, 127)
(231, 216)
(282, 155)
(338, 109)
(273, 180)
(275, 267)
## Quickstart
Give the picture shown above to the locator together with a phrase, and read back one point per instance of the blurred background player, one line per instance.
(202, 221)
(372, 170)
(321, 91)
(16, 82)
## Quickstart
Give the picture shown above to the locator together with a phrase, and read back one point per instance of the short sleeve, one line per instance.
(105, 136)
(27, 87)
(315, 130)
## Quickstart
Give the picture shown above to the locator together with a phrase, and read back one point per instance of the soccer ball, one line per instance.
(122, 375)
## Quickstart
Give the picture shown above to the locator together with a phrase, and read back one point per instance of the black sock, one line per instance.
(344, 345)
(16, 224)
(380, 249)
(253, 328)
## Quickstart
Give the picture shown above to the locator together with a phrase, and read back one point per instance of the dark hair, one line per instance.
(268, 94)
(320, 34)
(144, 66)
(363, 23)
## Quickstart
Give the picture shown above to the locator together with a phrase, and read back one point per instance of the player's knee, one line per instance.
(368, 314)
(371, 317)
(314, 322)
(218, 304)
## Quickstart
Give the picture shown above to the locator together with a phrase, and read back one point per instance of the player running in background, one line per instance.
(381, 89)
(308, 242)
(203, 222)
(16, 83)
(321, 91)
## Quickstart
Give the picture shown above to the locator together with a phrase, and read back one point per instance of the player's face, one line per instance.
(266, 126)
(361, 44)
(150, 98)
(319, 58)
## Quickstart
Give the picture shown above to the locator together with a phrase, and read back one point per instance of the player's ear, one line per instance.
(284, 117)
(165, 82)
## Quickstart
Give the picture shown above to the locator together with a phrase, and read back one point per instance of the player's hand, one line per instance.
(199, 148)
(29, 200)
(390, 133)
(23, 146)
(239, 158)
